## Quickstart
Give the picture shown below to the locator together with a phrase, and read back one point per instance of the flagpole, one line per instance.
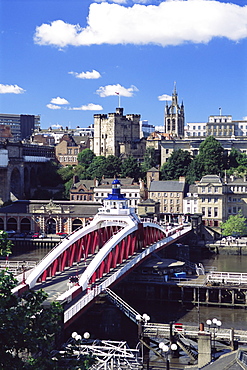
(117, 93)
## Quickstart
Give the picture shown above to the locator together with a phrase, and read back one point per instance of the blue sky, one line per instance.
(65, 60)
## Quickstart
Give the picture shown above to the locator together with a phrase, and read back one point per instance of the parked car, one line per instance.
(11, 233)
(36, 235)
(62, 234)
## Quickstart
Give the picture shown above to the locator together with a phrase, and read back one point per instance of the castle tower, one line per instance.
(174, 116)
(115, 133)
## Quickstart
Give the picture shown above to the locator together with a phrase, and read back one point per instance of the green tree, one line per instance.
(234, 225)
(85, 157)
(49, 175)
(5, 244)
(213, 156)
(25, 325)
(236, 159)
(28, 331)
(130, 167)
(150, 159)
(176, 166)
(66, 173)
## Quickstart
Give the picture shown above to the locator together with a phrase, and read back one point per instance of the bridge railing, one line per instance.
(190, 331)
(227, 277)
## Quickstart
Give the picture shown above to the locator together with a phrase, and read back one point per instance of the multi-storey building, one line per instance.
(21, 125)
(216, 199)
(170, 195)
(55, 134)
(69, 147)
(119, 135)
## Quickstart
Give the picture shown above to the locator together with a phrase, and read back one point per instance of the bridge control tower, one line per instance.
(116, 205)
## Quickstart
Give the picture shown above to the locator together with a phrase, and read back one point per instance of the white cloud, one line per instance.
(172, 22)
(11, 89)
(110, 90)
(113, 1)
(60, 101)
(56, 125)
(53, 106)
(165, 97)
(87, 75)
(90, 106)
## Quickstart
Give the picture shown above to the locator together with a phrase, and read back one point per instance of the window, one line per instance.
(203, 189)
(234, 210)
(203, 199)
(216, 200)
(165, 194)
(215, 211)
(203, 211)
(177, 209)
(165, 209)
(209, 189)
(177, 195)
(209, 200)
(229, 199)
(216, 189)
(167, 151)
(171, 201)
(229, 210)
(209, 212)
(171, 195)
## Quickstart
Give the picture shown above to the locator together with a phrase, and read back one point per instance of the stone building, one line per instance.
(69, 148)
(216, 199)
(174, 116)
(45, 216)
(119, 135)
(82, 189)
(170, 195)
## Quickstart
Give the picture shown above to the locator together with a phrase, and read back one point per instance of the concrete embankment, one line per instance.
(237, 247)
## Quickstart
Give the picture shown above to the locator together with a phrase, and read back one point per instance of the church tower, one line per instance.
(174, 116)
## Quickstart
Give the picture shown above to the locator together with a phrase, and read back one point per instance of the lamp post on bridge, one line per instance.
(167, 349)
(215, 324)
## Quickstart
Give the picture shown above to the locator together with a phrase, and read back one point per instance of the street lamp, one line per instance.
(167, 349)
(215, 324)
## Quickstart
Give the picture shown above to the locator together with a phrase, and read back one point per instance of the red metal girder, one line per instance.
(89, 242)
(86, 245)
(54, 267)
(115, 254)
(121, 245)
(133, 243)
(79, 249)
(72, 254)
(64, 260)
(44, 275)
(100, 270)
(93, 278)
(125, 249)
(109, 262)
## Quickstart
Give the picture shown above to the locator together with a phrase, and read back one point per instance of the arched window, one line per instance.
(12, 224)
(25, 225)
(76, 223)
(51, 226)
